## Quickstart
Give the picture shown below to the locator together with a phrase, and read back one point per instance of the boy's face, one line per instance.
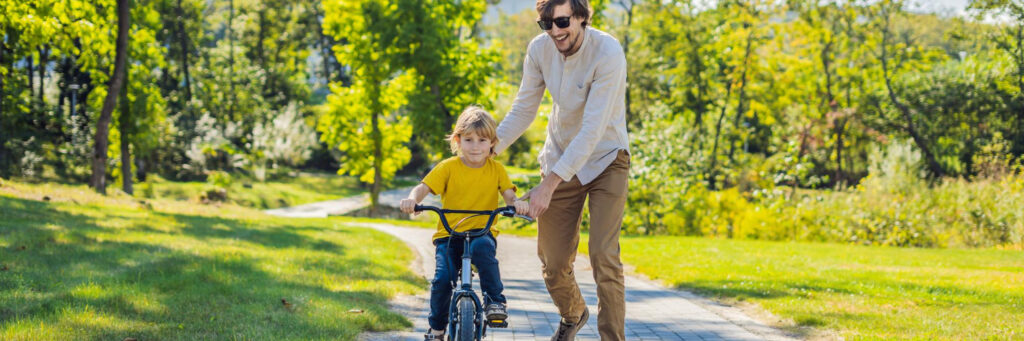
(475, 148)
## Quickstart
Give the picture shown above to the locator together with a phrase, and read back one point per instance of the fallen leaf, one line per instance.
(130, 339)
(287, 305)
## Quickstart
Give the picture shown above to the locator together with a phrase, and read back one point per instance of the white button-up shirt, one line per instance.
(587, 126)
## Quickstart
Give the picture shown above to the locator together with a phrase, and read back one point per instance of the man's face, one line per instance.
(566, 39)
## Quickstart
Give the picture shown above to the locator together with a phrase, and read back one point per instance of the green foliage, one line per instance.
(219, 179)
(438, 40)
(365, 135)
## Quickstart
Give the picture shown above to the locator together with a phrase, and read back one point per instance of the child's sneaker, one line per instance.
(430, 336)
(496, 312)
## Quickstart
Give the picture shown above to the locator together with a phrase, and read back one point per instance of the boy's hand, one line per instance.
(522, 207)
(408, 206)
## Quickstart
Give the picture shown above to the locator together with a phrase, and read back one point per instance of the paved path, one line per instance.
(342, 206)
(652, 311)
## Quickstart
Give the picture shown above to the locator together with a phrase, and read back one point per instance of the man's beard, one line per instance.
(572, 43)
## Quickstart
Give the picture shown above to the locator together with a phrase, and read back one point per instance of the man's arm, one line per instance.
(524, 108)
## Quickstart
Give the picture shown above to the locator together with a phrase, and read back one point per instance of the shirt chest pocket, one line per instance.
(576, 93)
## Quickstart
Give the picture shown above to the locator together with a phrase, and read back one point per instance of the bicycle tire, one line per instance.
(466, 328)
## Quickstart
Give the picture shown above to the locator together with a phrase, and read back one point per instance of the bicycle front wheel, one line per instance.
(465, 328)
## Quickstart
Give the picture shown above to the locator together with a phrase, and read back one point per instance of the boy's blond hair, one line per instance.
(474, 120)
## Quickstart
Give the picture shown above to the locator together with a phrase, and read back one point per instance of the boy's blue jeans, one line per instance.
(449, 260)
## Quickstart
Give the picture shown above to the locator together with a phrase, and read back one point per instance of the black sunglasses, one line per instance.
(561, 22)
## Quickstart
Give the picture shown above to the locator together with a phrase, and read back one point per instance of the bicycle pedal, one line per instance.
(497, 323)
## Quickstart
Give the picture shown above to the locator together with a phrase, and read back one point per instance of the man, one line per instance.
(585, 156)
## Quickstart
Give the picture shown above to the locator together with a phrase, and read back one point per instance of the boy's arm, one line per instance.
(522, 207)
(408, 205)
(510, 197)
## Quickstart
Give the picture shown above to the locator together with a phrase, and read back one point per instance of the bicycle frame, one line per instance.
(465, 286)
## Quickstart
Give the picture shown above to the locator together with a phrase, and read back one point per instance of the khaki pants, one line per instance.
(558, 237)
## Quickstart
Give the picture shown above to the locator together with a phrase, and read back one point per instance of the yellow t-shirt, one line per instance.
(465, 188)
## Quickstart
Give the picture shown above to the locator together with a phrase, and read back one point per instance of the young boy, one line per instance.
(470, 180)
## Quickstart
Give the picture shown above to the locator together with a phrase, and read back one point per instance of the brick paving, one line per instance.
(652, 312)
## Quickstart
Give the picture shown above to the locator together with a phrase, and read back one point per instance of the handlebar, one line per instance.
(508, 211)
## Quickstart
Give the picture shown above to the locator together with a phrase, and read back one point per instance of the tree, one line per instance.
(439, 39)
(99, 162)
(1011, 41)
(896, 53)
(362, 120)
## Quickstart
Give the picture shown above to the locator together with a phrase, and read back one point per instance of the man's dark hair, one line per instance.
(580, 9)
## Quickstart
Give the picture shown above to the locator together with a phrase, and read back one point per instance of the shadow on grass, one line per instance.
(58, 269)
(278, 236)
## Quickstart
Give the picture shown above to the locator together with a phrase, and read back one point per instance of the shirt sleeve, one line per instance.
(504, 183)
(609, 85)
(524, 108)
(437, 179)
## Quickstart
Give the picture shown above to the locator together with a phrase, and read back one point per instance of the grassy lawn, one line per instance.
(860, 292)
(82, 266)
(303, 189)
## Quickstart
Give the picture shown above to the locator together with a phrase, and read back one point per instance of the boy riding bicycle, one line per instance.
(467, 181)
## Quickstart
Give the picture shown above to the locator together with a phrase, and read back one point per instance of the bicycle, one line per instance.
(466, 313)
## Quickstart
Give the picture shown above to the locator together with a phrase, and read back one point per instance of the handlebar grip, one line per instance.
(526, 217)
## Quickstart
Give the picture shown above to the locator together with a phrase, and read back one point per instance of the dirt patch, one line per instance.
(383, 212)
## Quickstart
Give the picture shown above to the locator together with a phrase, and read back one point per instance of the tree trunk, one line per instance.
(124, 123)
(910, 127)
(99, 155)
(378, 164)
(325, 48)
(625, 51)
(718, 131)
(140, 166)
(447, 118)
(697, 71)
(799, 155)
(43, 60)
(183, 41)
(31, 77)
(1020, 81)
(3, 61)
(840, 129)
(742, 91)
(231, 59)
(832, 105)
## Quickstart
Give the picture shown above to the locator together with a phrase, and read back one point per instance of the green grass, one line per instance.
(860, 292)
(82, 266)
(303, 189)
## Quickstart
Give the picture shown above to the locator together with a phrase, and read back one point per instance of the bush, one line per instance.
(893, 207)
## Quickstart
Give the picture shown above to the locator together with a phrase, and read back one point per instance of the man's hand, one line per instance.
(408, 206)
(540, 196)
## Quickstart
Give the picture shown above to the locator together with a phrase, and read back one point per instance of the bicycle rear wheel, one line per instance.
(465, 328)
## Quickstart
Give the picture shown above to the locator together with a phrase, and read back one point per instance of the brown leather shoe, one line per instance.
(567, 332)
